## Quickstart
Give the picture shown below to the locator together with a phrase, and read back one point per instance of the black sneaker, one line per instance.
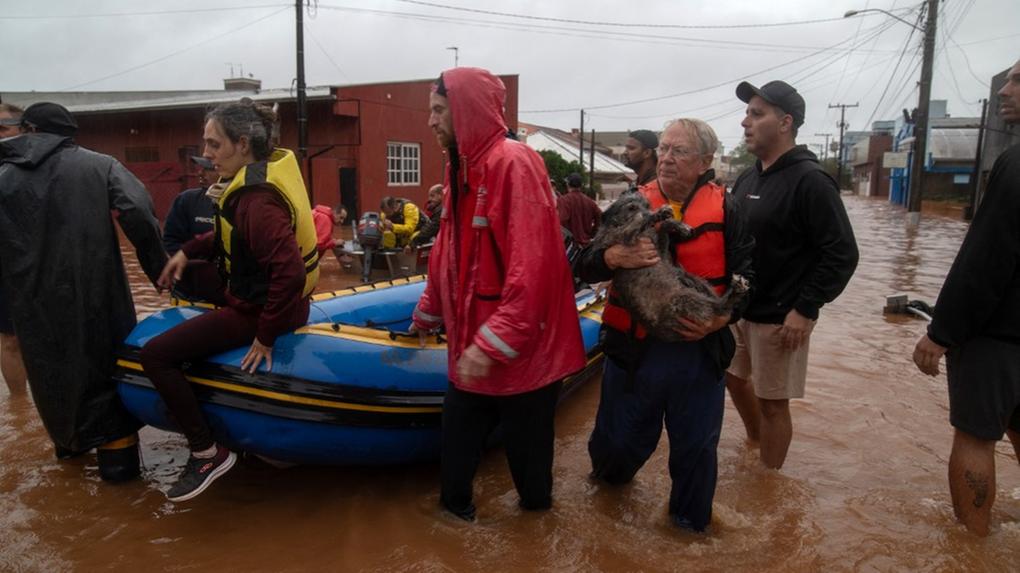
(199, 474)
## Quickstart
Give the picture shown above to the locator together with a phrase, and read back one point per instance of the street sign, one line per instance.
(894, 160)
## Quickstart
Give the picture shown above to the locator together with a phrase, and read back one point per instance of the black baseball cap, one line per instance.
(202, 162)
(778, 93)
(49, 117)
(574, 180)
(645, 137)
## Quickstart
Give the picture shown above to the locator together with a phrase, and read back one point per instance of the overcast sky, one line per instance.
(668, 56)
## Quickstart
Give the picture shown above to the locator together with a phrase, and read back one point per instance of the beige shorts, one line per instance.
(777, 374)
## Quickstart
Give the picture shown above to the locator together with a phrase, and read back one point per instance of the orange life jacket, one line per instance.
(703, 255)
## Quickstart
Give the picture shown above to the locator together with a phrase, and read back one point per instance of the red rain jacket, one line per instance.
(323, 218)
(498, 274)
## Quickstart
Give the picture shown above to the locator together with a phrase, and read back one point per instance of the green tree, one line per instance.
(559, 168)
(741, 158)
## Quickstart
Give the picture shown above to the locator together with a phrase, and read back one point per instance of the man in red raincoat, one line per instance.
(499, 281)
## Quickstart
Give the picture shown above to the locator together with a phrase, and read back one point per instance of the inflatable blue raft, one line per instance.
(344, 390)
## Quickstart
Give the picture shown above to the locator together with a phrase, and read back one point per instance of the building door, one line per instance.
(349, 191)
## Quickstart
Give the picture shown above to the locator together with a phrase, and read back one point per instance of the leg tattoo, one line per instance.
(978, 484)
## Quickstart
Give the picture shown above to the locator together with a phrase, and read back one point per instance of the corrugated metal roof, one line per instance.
(953, 144)
(542, 141)
(103, 102)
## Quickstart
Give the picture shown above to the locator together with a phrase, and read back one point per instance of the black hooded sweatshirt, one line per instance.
(804, 252)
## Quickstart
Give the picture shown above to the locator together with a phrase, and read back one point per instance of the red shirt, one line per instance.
(580, 215)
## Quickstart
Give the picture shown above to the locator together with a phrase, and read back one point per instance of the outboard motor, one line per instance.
(369, 236)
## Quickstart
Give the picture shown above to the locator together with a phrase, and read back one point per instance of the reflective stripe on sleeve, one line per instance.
(426, 317)
(497, 342)
(479, 221)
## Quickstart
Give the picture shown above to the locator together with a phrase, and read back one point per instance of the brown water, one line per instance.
(864, 487)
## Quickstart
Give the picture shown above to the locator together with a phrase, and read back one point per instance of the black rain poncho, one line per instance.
(60, 261)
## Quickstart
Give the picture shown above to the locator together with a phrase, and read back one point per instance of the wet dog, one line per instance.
(659, 295)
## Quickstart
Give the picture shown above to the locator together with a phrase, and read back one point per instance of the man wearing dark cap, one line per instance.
(640, 156)
(804, 255)
(578, 212)
(71, 305)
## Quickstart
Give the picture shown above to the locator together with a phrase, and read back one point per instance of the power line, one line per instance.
(618, 24)
(178, 52)
(325, 53)
(688, 92)
(888, 84)
(602, 35)
(147, 13)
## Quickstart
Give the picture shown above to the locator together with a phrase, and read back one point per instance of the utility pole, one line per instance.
(842, 127)
(456, 55)
(975, 177)
(921, 118)
(580, 139)
(302, 103)
(591, 168)
(825, 150)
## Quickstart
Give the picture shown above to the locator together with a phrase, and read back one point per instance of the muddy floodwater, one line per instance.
(864, 487)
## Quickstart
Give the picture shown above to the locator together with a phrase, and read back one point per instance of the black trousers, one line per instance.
(528, 433)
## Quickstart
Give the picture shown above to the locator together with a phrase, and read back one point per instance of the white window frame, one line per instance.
(403, 164)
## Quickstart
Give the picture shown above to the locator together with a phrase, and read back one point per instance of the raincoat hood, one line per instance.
(30, 150)
(476, 100)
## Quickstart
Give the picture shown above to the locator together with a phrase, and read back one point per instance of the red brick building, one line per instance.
(364, 141)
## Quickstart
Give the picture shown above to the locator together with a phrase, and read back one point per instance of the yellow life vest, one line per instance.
(280, 172)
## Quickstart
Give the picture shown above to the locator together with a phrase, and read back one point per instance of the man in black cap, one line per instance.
(640, 156)
(61, 262)
(804, 255)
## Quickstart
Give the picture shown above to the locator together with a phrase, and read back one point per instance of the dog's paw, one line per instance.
(739, 284)
(663, 214)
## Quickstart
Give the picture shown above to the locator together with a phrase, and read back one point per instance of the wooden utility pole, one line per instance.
(591, 164)
(921, 118)
(302, 103)
(842, 127)
(825, 150)
(975, 177)
(580, 141)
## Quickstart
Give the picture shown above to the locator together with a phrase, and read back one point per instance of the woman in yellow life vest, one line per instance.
(265, 246)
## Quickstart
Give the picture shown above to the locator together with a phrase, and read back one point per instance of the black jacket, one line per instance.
(805, 252)
(981, 295)
(61, 262)
(191, 215)
(591, 268)
(430, 229)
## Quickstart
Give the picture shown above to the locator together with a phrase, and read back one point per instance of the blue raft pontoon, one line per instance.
(344, 390)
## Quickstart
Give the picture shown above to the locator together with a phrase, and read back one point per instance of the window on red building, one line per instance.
(403, 163)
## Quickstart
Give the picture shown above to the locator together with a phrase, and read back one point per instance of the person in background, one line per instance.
(191, 213)
(326, 219)
(265, 245)
(12, 366)
(804, 255)
(401, 219)
(578, 213)
(434, 212)
(61, 266)
(976, 326)
(500, 284)
(640, 155)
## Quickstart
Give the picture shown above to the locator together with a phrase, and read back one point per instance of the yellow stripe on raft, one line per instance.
(303, 400)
